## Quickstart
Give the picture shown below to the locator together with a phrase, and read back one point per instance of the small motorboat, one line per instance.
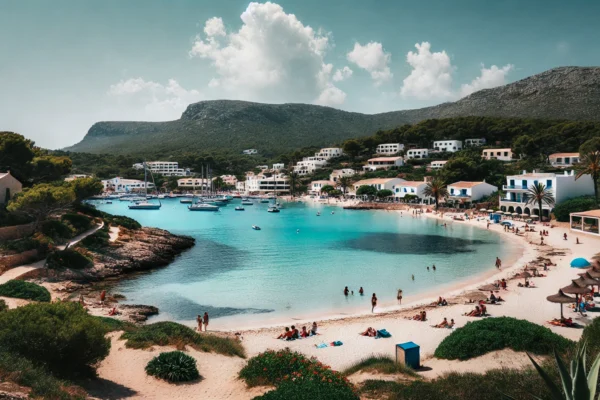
(264, 200)
(109, 202)
(273, 209)
(247, 203)
(186, 200)
(144, 205)
(318, 213)
(256, 227)
(203, 207)
(239, 208)
(333, 212)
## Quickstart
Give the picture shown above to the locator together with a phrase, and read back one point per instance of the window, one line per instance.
(549, 183)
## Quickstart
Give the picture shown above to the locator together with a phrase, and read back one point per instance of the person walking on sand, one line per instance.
(565, 236)
(373, 303)
(199, 322)
(399, 296)
(205, 322)
(102, 297)
(498, 263)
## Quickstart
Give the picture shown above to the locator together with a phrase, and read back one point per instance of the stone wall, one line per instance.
(13, 260)
(16, 231)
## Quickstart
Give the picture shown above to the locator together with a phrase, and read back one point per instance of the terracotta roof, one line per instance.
(412, 183)
(385, 159)
(374, 181)
(564, 155)
(464, 184)
(591, 213)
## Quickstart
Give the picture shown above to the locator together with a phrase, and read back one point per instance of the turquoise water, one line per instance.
(236, 272)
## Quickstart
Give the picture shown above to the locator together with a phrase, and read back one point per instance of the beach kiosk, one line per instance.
(408, 354)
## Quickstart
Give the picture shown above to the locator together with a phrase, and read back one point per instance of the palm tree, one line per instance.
(437, 189)
(589, 164)
(344, 182)
(293, 183)
(539, 194)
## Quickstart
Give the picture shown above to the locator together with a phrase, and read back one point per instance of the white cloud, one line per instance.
(489, 78)
(153, 100)
(273, 57)
(214, 27)
(372, 58)
(331, 96)
(342, 74)
(431, 75)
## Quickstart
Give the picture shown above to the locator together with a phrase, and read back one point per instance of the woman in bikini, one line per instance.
(373, 302)
(399, 296)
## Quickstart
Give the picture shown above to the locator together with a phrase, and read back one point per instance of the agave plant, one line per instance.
(577, 382)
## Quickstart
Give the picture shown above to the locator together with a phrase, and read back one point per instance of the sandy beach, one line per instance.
(125, 367)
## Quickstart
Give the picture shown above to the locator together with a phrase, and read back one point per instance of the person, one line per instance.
(542, 241)
(442, 324)
(576, 240)
(483, 309)
(444, 302)
(399, 296)
(488, 225)
(413, 277)
(475, 313)
(361, 291)
(199, 322)
(428, 268)
(492, 298)
(313, 330)
(503, 283)
(102, 297)
(295, 334)
(498, 262)
(423, 315)
(205, 322)
(451, 324)
(565, 236)
(373, 302)
(304, 333)
(346, 291)
(370, 332)
(286, 334)
(434, 267)
(113, 311)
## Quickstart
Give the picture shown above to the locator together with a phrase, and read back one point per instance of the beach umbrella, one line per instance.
(523, 275)
(592, 273)
(515, 214)
(532, 268)
(561, 299)
(482, 209)
(576, 288)
(490, 210)
(488, 288)
(506, 223)
(507, 213)
(580, 263)
(534, 216)
(586, 281)
(476, 296)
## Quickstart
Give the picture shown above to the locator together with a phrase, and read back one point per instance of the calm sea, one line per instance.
(299, 263)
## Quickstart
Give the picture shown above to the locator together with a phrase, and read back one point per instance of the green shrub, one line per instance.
(68, 258)
(60, 336)
(113, 324)
(88, 210)
(486, 335)
(309, 390)
(57, 230)
(170, 333)
(121, 220)
(11, 219)
(380, 364)
(173, 366)
(21, 245)
(24, 290)
(98, 240)
(591, 336)
(3, 305)
(563, 210)
(79, 222)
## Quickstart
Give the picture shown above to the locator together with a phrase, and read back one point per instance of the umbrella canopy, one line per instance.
(532, 268)
(523, 275)
(515, 214)
(476, 296)
(592, 273)
(561, 298)
(576, 288)
(580, 263)
(534, 216)
(506, 223)
(490, 210)
(587, 281)
(488, 288)
(482, 209)
(507, 213)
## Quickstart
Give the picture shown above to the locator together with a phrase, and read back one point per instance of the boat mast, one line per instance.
(145, 181)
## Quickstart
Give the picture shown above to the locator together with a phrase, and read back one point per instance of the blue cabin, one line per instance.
(408, 354)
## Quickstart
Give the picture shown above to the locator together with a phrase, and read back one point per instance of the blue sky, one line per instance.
(65, 64)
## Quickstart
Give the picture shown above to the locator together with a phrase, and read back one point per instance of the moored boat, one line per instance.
(203, 207)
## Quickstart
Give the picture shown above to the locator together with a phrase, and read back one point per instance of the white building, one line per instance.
(562, 186)
(374, 164)
(71, 178)
(250, 152)
(261, 185)
(437, 164)
(240, 186)
(413, 188)
(262, 167)
(563, 159)
(229, 180)
(389, 149)
(193, 183)
(308, 167)
(329, 152)
(417, 153)
(278, 166)
(9, 186)
(586, 222)
(336, 174)
(379, 183)
(121, 185)
(447, 145)
(497, 154)
(316, 186)
(470, 191)
(475, 142)
(165, 168)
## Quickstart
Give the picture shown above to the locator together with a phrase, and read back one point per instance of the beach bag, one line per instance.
(383, 333)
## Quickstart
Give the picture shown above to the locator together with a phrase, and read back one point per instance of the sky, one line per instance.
(66, 64)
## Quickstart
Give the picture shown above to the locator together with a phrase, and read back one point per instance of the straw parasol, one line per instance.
(586, 281)
(490, 210)
(523, 275)
(561, 298)
(534, 216)
(476, 296)
(576, 288)
(592, 273)
(488, 288)
(515, 214)
(532, 268)
(482, 210)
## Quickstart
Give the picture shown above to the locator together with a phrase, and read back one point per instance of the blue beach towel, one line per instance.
(382, 333)
(321, 345)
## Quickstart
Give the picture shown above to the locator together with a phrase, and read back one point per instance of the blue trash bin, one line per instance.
(408, 354)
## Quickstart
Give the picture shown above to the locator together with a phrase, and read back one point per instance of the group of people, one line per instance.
(445, 324)
(479, 311)
(292, 332)
(347, 291)
(202, 320)
(421, 316)
(440, 302)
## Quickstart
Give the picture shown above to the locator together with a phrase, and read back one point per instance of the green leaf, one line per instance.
(564, 374)
(556, 392)
(592, 378)
(580, 385)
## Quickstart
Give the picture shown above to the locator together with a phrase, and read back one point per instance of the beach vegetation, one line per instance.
(24, 290)
(327, 189)
(56, 230)
(384, 193)
(538, 194)
(291, 372)
(491, 334)
(562, 211)
(589, 164)
(344, 183)
(436, 188)
(60, 336)
(98, 240)
(49, 168)
(42, 201)
(366, 190)
(79, 222)
(173, 334)
(21, 245)
(591, 336)
(174, 367)
(380, 364)
(69, 259)
(86, 187)
(115, 325)
(3, 305)
(122, 221)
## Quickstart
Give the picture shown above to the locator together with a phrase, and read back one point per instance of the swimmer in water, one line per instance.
(434, 267)
(297, 230)
(413, 277)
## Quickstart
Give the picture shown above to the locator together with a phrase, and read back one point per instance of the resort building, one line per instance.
(374, 164)
(165, 168)
(262, 167)
(121, 185)
(475, 142)
(379, 183)
(278, 166)
(329, 152)
(9, 186)
(250, 152)
(417, 153)
(229, 180)
(315, 186)
(389, 149)
(193, 183)
(437, 164)
(410, 188)
(336, 174)
(308, 167)
(470, 192)
(447, 145)
(562, 186)
(586, 222)
(71, 178)
(497, 154)
(240, 186)
(563, 159)
(262, 185)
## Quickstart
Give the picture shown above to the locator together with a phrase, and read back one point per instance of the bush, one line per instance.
(12, 219)
(3, 305)
(309, 390)
(486, 335)
(61, 336)
(68, 258)
(380, 364)
(591, 336)
(57, 230)
(113, 324)
(21, 245)
(98, 240)
(79, 222)
(563, 210)
(173, 366)
(88, 210)
(121, 220)
(170, 333)
(24, 290)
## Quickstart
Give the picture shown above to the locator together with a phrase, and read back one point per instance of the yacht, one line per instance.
(264, 200)
(144, 204)
(203, 207)
(256, 227)
(247, 202)
(239, 208)
(186, 200)
(273, 209)
(161, 196)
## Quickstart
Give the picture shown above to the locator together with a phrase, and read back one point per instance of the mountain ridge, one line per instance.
(570, 93)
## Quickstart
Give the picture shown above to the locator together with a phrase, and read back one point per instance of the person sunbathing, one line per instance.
(451, 324)
(295, 333)
(475, 313)
(442, 324)
(287, 335)
(113, 312)
(304, 333)
(483, 309)
(370, 332)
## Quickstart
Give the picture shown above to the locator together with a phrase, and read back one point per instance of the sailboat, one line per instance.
(145, 204)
